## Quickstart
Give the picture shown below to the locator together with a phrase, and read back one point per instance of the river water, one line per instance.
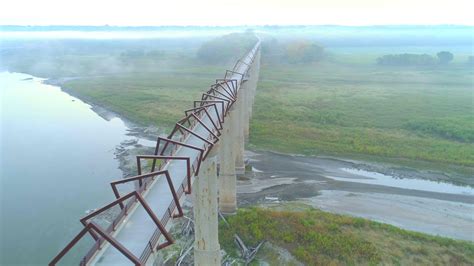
(57, 158)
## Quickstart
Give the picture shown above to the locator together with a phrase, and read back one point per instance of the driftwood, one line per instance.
(226, 261)
(248, 254)
(188, 228)
(182, 256)
(253, 253)
(223, 218)
(188, 232)
(241, 244)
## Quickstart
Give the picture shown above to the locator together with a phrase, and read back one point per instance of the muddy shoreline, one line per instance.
(135, 129)
(399, 171)
(288, 178)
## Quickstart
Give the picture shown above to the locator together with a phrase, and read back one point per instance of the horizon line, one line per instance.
(229, 26)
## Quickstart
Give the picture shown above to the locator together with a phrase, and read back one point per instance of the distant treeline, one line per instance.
(291, 51)
(470, 60)
(442, 58)
(406, 60)
(227, 47)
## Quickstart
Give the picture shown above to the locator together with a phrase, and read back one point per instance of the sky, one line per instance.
(233, 12)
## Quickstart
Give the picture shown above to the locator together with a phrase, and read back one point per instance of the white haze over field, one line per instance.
(78, 34)
(236, 12)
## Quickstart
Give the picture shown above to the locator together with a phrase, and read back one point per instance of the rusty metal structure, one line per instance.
(139, 230)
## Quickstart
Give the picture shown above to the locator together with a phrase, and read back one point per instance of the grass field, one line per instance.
(315, 237)
(358, 108)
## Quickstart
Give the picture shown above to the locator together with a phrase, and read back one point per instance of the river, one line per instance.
(57, 158)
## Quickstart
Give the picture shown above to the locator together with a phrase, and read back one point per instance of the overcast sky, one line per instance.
(233, 12)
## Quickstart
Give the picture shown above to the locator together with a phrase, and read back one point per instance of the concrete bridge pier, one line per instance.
(239, 131)
(247, 105)
(254, 73)
(227, 178)
(249, 94)
(206, 243)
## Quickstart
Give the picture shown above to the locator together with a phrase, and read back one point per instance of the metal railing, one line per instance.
(213, 106)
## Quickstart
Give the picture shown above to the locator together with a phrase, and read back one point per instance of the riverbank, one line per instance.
(147, 132)
(315, 237)
(125, 152)
(322, 238)
(307, 180)
(405, 198)
(437, 171)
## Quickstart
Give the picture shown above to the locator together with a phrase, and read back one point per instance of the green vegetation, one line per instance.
(459, 128)
(227, 48)
(406, 60)
(291, 51)
(154, 98)
(444, 57)
(345, 106)
(319, 238)
(470, 60)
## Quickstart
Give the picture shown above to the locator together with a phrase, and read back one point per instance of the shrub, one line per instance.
(470, 60)
(406, 60)
(302, 51)
(227, 48)
(444, 57)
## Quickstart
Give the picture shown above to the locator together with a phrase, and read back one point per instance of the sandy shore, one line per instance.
(432, 216)
(324, 183)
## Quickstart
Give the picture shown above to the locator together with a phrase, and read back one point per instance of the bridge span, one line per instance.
(213, 131)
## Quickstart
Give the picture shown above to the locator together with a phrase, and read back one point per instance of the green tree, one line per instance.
(470, 60)
(302, 51)
(444, 57)
(227, 48)
(406, 60)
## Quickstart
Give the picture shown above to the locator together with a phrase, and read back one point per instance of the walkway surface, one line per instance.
(138, 228)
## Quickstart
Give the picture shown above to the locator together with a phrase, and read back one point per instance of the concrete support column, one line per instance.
(246, 107)
(206, 243)
(255, 71)
(227, 178)
(239, 132)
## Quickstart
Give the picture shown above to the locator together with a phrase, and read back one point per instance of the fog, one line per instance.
(53, 51)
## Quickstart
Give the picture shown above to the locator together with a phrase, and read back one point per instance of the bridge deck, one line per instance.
(136, 230)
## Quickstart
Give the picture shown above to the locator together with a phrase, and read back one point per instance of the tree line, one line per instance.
(294, 51)
(226, 48)
(406, 59)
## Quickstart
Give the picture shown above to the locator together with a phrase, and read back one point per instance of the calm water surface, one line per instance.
(374, 178)
(57, 158)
